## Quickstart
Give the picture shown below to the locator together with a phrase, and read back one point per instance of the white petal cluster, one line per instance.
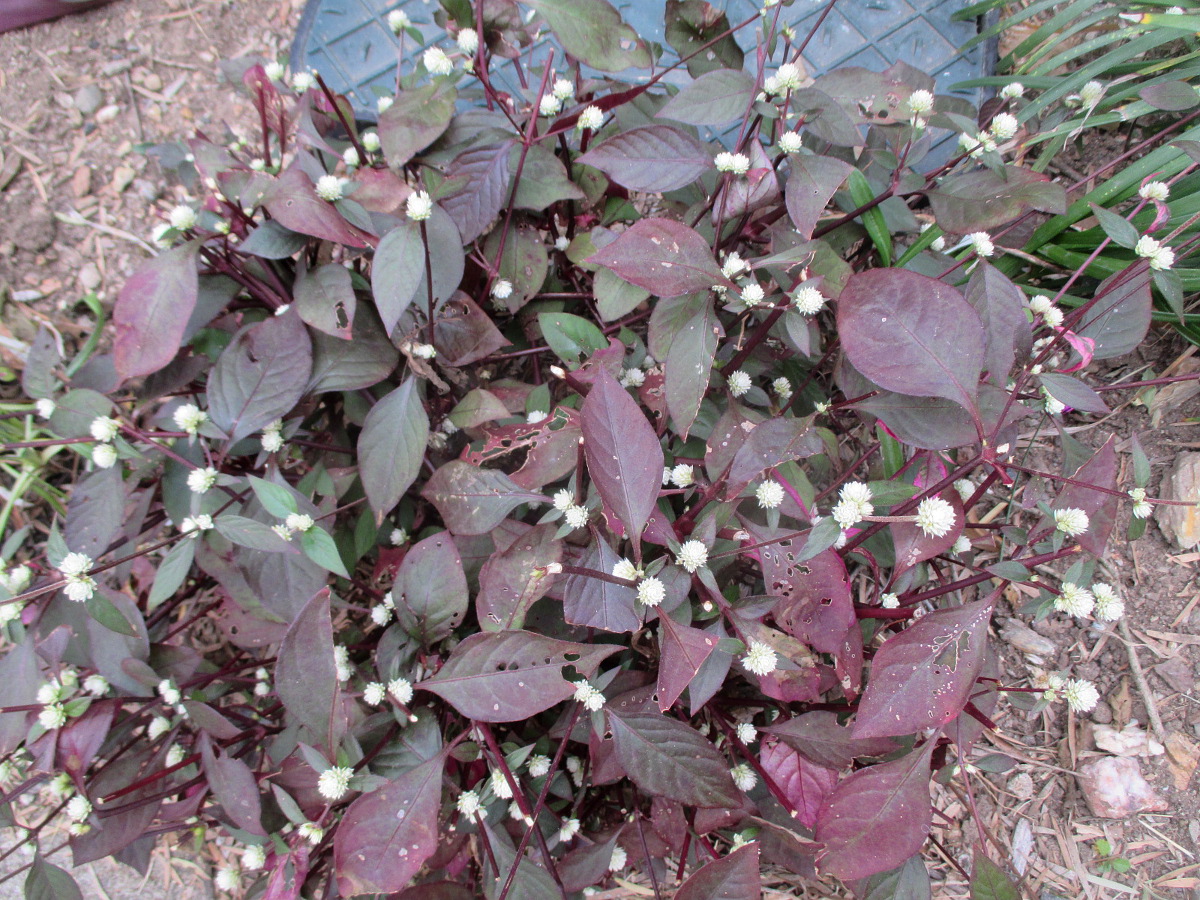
(398, 20)
(782, 388)
(189, 417)
(735, 163)
(79, 585)
(739, 383)
(437, 62)
(104, 456)
(303, 81)
(920, 102)
(468, 40)
(746, 732)
(576, 516)
(1012, 91)
(370, 141)
(254, 857)
(651, 591)
(1091, 93)
(334, 782)
(1141, 507)
(889, 600)
(790, 142)
(744, 777)
(538, 765)
(683, 475)
(201, 480)
(104, 428)
(1155, 190)
(981, 243)
(1004, 126)
(1074, 600)
(1081, 695)
(935, 517)
(418, 206)
(769, 494)
(809, 301)
(632, 378)
(590, 119)
(1071, 521)
(468, 804)
(753, 294)
(401, 690)
(692, 555)
(1109, 607)
(182, 217)
(1161, 257)
(374, 693)
(760, 658)
(500, 786)
(592, 699)
(854, 504)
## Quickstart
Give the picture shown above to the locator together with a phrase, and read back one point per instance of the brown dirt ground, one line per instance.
(156, 66)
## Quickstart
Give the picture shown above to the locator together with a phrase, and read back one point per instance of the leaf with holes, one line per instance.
(663, 256)
(386, 836)
(823, 740)
(506, 676)
(260, 376)
(923, 677)
(1101, 472)
(325, 299)
(653, 158)
(624, 457)
(152, 311)
(912, 334)
(512, 581)
(683, 653)
(805, 784)
(876, 818)
(471, 500)
(306, 672)
(392, 446)
(430, 593)
(667, 758)
(815, 605)
(733, 877)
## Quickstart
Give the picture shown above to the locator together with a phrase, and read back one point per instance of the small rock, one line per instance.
(89, 276)
(107, 113)
(81, 181)
(122, 177)
(88, 99)
(1181, 523)
(1101, 713)
(152, 82)
(1115, 789)
(1021, 786)
(1132, 740)
(35, 232)
(64, 100)
(27, 296)
(1177, 674)
(116, 67)
(1025, 639)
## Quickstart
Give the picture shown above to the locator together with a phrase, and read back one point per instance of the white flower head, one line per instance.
(468, 804)
(1071, 521)
(760, 658)
(790, 142)
(592, 699)
(1080, 695)
(1052, 404)
(500, 786)
(1091, 93)
(538, 765)
(158, 726)
(424, 351)
(568, 830)
(182, 217)
(51, 692)
(651, 591)
(788, 77)
(590, 119)
(961, 544)
(563, 90)
(303, 81)
(502, 289)
(1154, 190)
(437, 62)
(549, 105)
(734, 265)
(273, 70)
(744, 777)
(334, 782)
(398, 20)
(398, 536)
(227, 879)
(769, 494)
(383, 104)
(692, 555)
(168, 691)
(52, 716)
(809, 301)
(1075, 600)
(753, 294)
(329, 187)
(189, 417)
(632, 378)
(351, 158)
(856, 491)
(104, 456)
(920, 102)
(1012, 91)
(370, 141)
(965, 488)
(618, 860)
(311, 832)
(200, 481)
(254, 857)
(44, 407)
(739, 382)
(418, 206)
(341, 662)
(576, 516)
(1109, 607)
(981, 243)
(380, 615)
(848, 513)
(737, 163)
(468, 40)
(746, 732)
(889, 600)
(374, 693)
(1161, 257)
(935, 517)
(299, 522)
(401, 690)
(1004, 126)
(78, 808)
(96, 685)
(564, 499)
(782, 388)
(104, 428)
(683, 475)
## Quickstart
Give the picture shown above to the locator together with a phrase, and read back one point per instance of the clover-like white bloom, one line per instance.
(334, 782)
(227, 879)
(1012, 91)
(424, 351)
(1091, 93)
(189, 417)
(104, 428)
(311, 832)
(788, 77)
(1161, 257)
(329, 187)
(563, 90)
(1052, 404)
(769, 494)
(51, 692)
(502, 289)
(651, 591)
(254, 857)
(549, 105)
(590, 119)
(341, 662)
(857, 491)
(197, 524)
(591, 698)
(468, 804)
(538, 765)
(568, 830)
(889, 600)
(52, 716)
(962, 544)
(201, 480)
(760, 658)
(182, 217)
(935, 517)
(746, 732)
(398, 20)
(1141, 508)
(418, 206)
(753, 294)
(920, 102)
(401, 690)
(564, 499)
(790, 142)
(75, 564)
(744, 777)
(1071, 521)
(96, 685)
(618, 860)
(272, 437)
(809, 301)
(168, 691)
(739, 383)
(576, 516)
(1155, 190)
(692, 555)
(158, 726)
(981, 243)
(351, 158)
(734, 265)
(1109, 607)
(633, 378)
(303, 81)
(437, 62)
(1080, 695)
(383, 104)
(736, 163)
(374, 693)
(299, 522)
(848, 513)
(104, 456)
(468, 40)
(273, 70)
(381, 615)
(782, 388)
(1040, 304)
(500, 786)
(78, 808)
(370, 141)
(683, 475)
(1004, 126)
(44, 407)
(1075, 600)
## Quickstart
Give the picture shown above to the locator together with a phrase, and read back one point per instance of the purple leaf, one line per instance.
(234, 786)
(593, 32)
(471, 500)
(985, 199)
(815, 604)
(684, 650)
(923, 677)
(306, 672)
(914, 546)
(664, 257)
(325, 299)
(430, 592)
(733, 877)
(415, 120)
(1101, 471)
(653, 158)
(260, 376)
(757, 188)
(293, 202)
(805, 784)
(464, 333)
(397, 270)
(478, 202)
(810, 186)
(81, 738)
(385, 836)
(392, 446)
(824, 741)
(667, 758)
(716, 98)
(1173, 96)
(507, 676)
(512, 581)
(624, 457)
(912, 334)
(1072, 392)
(876, 818)
(687, 329)
(152, 311)
(600, 604)
(361, 362)
(1120, 318)
(768, 444)
(1007, 332)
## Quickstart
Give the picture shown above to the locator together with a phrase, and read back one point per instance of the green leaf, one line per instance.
(47, 881)
(275, 498)
(430, 592)
(251, 533)
(318, 545)
(1115, 226)
(891, 450)
(862, 193)
(694, 24)
(616, 297)
(1141, 463)
(392, 445)
(325, 299)
(908, 881)
(988, 881)
(717, 98)
(172, 572)
(592, 31)
(571, 337)
(104, 611)
(397, 270)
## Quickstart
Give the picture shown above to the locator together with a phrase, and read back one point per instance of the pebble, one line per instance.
(1181, 523)
(27, 296)
(89, 276)
(1023, 638)
(1101, 713)
(81, 181)
(88, 99)
(36, 231)
(116, 67)
(152, 82)
(122, 177)
(107, 113)
(1115, 789)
